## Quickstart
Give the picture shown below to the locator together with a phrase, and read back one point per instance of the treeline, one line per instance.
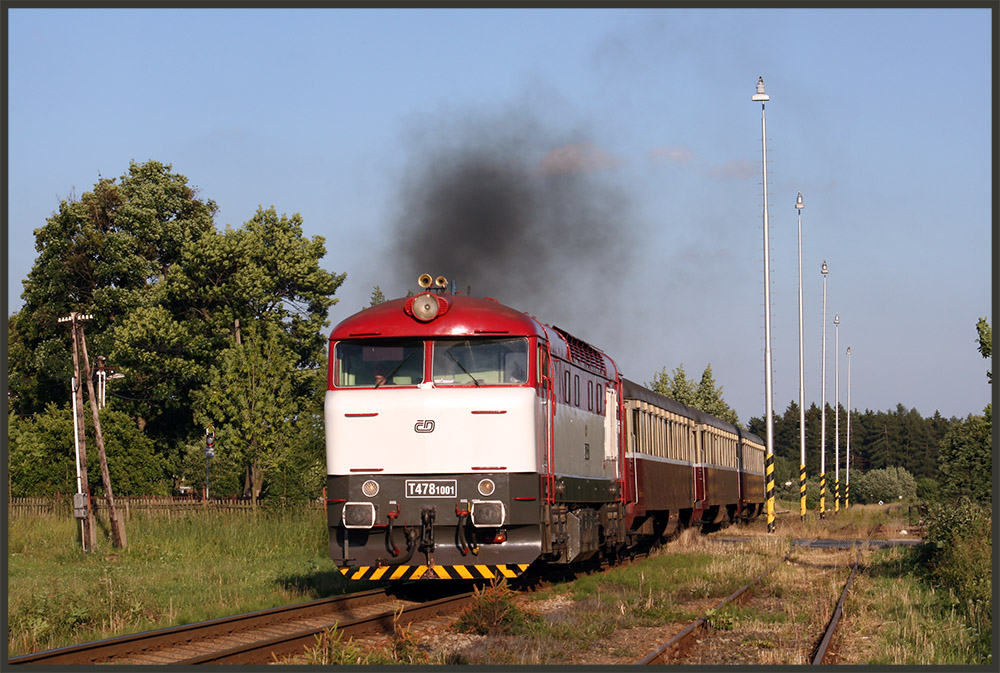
(879, 439)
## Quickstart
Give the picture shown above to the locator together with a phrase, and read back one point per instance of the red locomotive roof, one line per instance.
(464, 315)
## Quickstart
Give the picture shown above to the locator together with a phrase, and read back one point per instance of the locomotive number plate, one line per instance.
(431, 488)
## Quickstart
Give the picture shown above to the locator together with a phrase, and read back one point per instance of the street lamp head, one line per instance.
(848, 350)
(836, 319)
(760, 95)
(824, 269)
(798, 202)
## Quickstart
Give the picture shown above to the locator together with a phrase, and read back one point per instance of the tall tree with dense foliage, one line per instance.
(967, 460)
(250, 402)
(705, 395)
(985, 343)
(100, 254)
(169, 295)
(708, 398)
(677, 387)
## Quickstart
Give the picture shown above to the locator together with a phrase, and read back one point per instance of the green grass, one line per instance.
(174, 571)
(914, 621)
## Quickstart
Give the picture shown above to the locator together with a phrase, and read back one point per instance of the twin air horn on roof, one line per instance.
(426, 306)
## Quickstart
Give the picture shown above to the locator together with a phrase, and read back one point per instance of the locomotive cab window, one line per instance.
(379, 362)
(480, 362)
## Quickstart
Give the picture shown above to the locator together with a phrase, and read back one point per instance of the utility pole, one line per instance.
(81, 502)
(118, 539)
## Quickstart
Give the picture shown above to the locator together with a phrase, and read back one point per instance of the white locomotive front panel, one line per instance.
(431, 430)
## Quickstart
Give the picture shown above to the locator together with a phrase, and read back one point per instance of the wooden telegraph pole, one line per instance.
(117, 528)
(83, 512)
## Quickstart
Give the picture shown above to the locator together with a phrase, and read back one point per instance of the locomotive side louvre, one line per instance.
(584, 504)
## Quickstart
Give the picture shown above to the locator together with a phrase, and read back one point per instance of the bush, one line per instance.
(960, 541)
(886, 484)
(928, 490)
(495, 610)
(43, 458)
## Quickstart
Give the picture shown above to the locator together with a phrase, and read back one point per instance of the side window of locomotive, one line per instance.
(566, 388)
(379, 363)
(590, 395)
(576, 389)
(543, 363)
(480, 362)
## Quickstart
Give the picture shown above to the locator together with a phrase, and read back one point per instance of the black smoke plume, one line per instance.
(528, 216)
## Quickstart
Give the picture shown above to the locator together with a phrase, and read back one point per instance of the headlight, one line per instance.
(370, 488)
(486, 487)
(359, 515)
(487, 514)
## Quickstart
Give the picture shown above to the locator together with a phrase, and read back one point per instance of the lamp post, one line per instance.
(836, 413)
(802, 380)
(822, 437)
(847, 487)
(762, 98)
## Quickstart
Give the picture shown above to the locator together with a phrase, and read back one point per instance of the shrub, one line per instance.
(886, 484)
(495, 611)
(960, 541)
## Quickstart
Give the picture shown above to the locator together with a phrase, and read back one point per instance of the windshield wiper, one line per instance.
(393, 372)
(463, 368)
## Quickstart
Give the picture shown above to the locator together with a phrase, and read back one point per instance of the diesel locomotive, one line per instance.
(468, 440)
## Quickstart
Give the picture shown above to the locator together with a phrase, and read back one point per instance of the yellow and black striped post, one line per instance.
(822, 495)
(769, 490)
(802, 492)
(847, 495)
(836, 496)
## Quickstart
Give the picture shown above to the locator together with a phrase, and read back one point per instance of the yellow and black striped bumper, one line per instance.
(463, 572)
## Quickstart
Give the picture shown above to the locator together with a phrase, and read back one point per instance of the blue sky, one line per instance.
(882, 118)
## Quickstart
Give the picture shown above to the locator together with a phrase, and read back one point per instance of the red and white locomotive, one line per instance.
(467, 440)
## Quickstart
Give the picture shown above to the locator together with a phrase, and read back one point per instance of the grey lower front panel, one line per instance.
(433, 520)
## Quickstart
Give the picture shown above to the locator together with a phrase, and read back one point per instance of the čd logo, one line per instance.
(424, 426)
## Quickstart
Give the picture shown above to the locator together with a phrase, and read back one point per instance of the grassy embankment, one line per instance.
(909, 606)
(174, 571)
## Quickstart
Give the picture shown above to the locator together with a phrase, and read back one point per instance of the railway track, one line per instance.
(677, 647)
(252, 638)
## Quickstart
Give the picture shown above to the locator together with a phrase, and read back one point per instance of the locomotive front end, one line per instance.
(433, 428)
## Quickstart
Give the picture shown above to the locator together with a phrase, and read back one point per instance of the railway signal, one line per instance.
(209, 453)
(82, 511)
(81, 361)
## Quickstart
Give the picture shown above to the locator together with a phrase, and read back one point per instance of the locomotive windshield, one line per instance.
(379, 362)
(480, 362)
